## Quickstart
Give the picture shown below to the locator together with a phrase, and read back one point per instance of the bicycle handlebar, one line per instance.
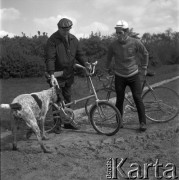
(110, 76)
(106, 77)
(91, 69)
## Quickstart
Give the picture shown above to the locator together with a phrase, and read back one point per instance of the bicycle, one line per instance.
(161, 103)
(103, 115)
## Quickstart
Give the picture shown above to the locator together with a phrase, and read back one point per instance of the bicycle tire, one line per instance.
(103, 94)
(110, 116)
(52, 119)
(110, 95)
(161, 104)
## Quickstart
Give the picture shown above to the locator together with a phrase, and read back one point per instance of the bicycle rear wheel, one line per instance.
(103, 94)
(105, 118)
(161, 104)
(52, 119)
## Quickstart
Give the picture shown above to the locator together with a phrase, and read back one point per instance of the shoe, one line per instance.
(73, 125)
(142, 127)
(57, 130)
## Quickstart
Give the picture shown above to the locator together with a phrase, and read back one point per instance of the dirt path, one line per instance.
(83, 154)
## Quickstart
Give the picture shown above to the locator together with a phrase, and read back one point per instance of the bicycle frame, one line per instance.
(110, 85)
(154, 102)
(94, 94)
(62, 107)
(89, 80)
(105, 110)
(131, 104)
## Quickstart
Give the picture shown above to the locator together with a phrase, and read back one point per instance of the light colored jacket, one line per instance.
(125, 56)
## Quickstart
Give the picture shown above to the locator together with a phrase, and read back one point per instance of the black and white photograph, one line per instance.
(89, 90)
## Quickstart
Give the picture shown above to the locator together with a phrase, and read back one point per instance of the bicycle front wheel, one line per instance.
(105, 118)
(52, 119)
(161, 104)
(103, 94)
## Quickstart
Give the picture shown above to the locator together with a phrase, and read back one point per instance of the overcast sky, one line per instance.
(30, 16)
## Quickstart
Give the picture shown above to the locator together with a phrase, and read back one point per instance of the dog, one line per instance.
(32, 108)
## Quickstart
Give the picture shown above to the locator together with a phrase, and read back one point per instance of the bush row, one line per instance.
(24, 56)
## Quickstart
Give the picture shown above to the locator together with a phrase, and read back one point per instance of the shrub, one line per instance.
(21, 57)
(24, 56)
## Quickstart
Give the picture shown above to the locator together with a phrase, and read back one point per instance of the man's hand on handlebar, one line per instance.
(88, 68)
(54, 81)
(88, 65)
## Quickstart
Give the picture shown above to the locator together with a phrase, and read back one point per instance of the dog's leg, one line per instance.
(44, 136)
(14, 132)
(39, 137)
(31, 122)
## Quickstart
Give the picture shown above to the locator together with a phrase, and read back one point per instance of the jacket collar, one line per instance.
(59, 36)
(124, 41)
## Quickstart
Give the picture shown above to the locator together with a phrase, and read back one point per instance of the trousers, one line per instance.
(66, 91)
(135, 86)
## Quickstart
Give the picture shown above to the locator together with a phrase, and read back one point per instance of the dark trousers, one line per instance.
(66, 91)
(135, 85)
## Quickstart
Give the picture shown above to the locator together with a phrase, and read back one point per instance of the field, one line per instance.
(83, 154)
(10, 88)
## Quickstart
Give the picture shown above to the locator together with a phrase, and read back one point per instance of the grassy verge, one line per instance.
(10, 88)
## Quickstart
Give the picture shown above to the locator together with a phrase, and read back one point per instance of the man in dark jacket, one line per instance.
(61, 52)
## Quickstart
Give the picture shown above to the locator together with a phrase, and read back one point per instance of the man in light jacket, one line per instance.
(124, 51)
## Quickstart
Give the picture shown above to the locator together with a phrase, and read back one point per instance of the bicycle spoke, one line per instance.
(101, 113)
(158, 109)
(103, 94)
(104, 118)
(167, 108)
(161, 104)
(52, 119)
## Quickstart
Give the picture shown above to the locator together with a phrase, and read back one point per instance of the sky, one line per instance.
(30, 16)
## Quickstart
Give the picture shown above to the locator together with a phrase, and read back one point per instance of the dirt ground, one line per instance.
(83, 154)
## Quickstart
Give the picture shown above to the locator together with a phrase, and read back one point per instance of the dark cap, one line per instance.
(65, 23)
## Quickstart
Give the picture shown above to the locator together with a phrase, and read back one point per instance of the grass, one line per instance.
(10, 88)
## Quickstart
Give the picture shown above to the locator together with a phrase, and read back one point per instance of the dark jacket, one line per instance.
(60, 55)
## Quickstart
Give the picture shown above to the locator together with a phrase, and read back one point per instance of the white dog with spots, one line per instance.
(32, 108)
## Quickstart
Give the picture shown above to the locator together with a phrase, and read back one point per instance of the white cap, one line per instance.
(122, 24)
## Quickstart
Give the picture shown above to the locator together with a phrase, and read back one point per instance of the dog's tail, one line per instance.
(14, 106)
